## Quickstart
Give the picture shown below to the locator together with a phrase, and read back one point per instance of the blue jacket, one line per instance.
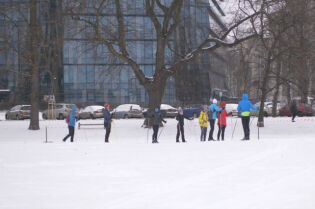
(245, 105)
(214, 109)
(107, 116)
(72, 118)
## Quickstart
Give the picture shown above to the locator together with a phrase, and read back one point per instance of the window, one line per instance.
(90, 73)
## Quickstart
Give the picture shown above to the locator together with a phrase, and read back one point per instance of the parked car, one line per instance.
(62, 111)
(168, 111)
(267, 109)
(303, 110)
(192, 110)
(232, 108)
(128, 111)
(19, 112)
(92, 112)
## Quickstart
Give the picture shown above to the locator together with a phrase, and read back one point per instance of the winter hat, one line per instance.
(214, 101)
(205, 108)
(106, 105)
(223, 104)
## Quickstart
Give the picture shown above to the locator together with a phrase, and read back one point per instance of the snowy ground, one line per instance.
(275, 172)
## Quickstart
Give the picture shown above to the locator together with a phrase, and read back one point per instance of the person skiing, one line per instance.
(203, 122)
(71, 120)
(222, 121)
(212, 115)
(107, 121)
(180, 125)
(156, 120)
(244, 107)
(294, 110)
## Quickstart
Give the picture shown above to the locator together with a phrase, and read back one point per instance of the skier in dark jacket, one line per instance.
(107, 121)
(180, 125)
(294, 110)
(71, 124)
(156, 118)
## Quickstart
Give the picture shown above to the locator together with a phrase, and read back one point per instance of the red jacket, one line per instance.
(222, 116)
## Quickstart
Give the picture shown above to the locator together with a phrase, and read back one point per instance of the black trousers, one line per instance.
(203, 133)
(180, 131)
(221, 131)
(71, 133)
(245, 123)
(212, 122)
(155, 133)
(293, 115)
(108, 127)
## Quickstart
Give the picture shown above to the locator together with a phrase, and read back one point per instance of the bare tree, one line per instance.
(31, 38)
(165, 23)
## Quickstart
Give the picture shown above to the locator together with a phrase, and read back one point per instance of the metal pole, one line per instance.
(46, 135)
(148, 136)
(234, 128)
(258, 129)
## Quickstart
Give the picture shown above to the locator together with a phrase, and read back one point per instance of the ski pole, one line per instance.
(160, 132)
(234, 128)
(148, 136)
(258, 129)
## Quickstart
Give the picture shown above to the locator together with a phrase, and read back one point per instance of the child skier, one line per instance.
(222, 121)
(180, 125)
(156, 120)
(71, 124)
(203, 122)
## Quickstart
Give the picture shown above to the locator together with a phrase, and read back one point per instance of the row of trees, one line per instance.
(279, 27)
(282, 53)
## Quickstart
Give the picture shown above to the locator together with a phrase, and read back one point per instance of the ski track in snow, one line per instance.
(274, 172)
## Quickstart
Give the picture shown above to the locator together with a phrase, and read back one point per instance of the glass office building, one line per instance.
(91, 74)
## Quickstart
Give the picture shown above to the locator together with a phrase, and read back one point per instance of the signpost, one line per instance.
(50, 99)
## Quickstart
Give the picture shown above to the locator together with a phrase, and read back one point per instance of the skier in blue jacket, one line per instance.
(212, 116)
(244, 107)
(107, 121)
(71, 124)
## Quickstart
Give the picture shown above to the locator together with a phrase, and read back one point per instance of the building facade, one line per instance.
(89, 73)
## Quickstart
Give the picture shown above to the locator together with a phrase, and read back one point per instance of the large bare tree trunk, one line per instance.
(276, 94)
(156, 93)
(264, 92)
(34, 122)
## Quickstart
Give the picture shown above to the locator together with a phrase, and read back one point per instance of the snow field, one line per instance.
(129, 173)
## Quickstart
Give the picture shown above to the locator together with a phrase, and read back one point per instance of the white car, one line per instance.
(128, 111)
(232, 108)
(168, 110)
(93, 111)
(267, 109)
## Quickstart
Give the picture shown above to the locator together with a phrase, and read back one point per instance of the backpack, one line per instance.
(67, 119)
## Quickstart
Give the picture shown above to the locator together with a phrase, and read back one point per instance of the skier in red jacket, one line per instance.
(222, 121)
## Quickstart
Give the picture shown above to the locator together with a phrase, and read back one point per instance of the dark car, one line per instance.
(192, 110)
(303, 110)
(18, 112)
